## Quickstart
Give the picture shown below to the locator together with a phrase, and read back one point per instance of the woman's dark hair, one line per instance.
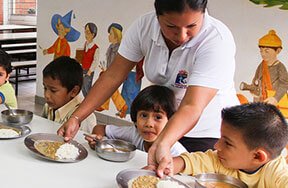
(165, 6)
(65, 69)
(262, 126)
(154, 98)
(5, 61)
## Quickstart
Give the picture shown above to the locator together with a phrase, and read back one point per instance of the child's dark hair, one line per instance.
(92, 28)
(261, 125)
(166, 6)
(154, 98)
(65, 69)
(5, 61)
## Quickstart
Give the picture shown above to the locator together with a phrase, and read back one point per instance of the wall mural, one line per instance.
(270, 3)
(65, 32)
(88, 56)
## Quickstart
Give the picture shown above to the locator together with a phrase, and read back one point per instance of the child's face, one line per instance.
(269, 54)
(150, 124)
(55, 94)
(112, 38)
(232, 151)
(61, 31)
(88, 35)
(3, 76)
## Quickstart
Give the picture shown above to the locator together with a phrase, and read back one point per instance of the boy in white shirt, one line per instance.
(150, 111)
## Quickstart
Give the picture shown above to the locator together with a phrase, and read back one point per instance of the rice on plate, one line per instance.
(67, 151)
(8, 133)
(148, 181)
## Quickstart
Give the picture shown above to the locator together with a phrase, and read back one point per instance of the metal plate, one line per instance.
(22, 130)
(31, 139)
(125, 176)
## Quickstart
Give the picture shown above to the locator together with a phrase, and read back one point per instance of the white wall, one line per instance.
(249, 22)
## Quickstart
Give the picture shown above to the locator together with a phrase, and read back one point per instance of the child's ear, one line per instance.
(278, 50)
(74, 92)
(8, 76)
(261, 156)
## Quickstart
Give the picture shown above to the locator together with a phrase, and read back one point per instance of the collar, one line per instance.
(89, 45)
(65, 111)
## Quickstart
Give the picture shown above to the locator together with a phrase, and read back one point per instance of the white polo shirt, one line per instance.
(207, 60)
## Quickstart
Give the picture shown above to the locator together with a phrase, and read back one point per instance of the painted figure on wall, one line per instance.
(114, 37)
(90, 57)
(65, 32)
(270, 82)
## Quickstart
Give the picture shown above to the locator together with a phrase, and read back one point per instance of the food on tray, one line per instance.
(152, 182)
(67, 151)
(217, 185)
(8, 133)
(141, 181)
(168, 184)
(48, 148)
(57, 150)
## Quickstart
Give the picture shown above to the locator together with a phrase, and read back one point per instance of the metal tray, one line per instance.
(125, 176)
(31, 139)
(22, 130)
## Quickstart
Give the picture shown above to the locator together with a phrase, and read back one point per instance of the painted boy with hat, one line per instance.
(66, 33)
(115, 37)
(271, 77)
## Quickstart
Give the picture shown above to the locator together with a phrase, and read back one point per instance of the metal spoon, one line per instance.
(11, 112)
(97, 140)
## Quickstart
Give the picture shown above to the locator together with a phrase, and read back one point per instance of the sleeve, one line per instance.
(52, 48)
(88, 124)
(215, 55)
(200, 162)
(177, 149)
(2, 98)
(130, 46)
(95, 61)
(283, 82)
(119, 132)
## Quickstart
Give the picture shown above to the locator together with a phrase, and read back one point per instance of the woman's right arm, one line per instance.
(103, 88)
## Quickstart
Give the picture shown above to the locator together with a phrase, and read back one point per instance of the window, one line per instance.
(22, 11)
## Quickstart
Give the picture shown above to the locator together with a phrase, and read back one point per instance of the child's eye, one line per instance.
(227, 143)
(158, 117)
(143, 115)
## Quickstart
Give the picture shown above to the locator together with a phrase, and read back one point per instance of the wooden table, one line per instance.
(17, 28)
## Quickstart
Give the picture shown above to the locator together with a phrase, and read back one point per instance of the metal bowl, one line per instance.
(222, 180)
(17, 116)
(124, 150)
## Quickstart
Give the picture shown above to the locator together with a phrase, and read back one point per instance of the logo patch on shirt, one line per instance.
(181, 79)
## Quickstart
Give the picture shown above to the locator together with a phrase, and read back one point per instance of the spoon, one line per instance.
(11, 112)
(97, 140)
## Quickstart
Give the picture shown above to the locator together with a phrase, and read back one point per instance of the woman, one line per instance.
(186, 50)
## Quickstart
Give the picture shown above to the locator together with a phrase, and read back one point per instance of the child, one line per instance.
(252, 138)
(150, 111)
(62, 80)
(90, 58)
(270, 82)
(7, 93)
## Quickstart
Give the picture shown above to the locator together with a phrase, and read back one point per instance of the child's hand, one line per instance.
(45, 51)
(91, 141)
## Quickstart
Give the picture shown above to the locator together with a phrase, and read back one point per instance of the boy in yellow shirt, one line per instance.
(252, 138)
(62, 80)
